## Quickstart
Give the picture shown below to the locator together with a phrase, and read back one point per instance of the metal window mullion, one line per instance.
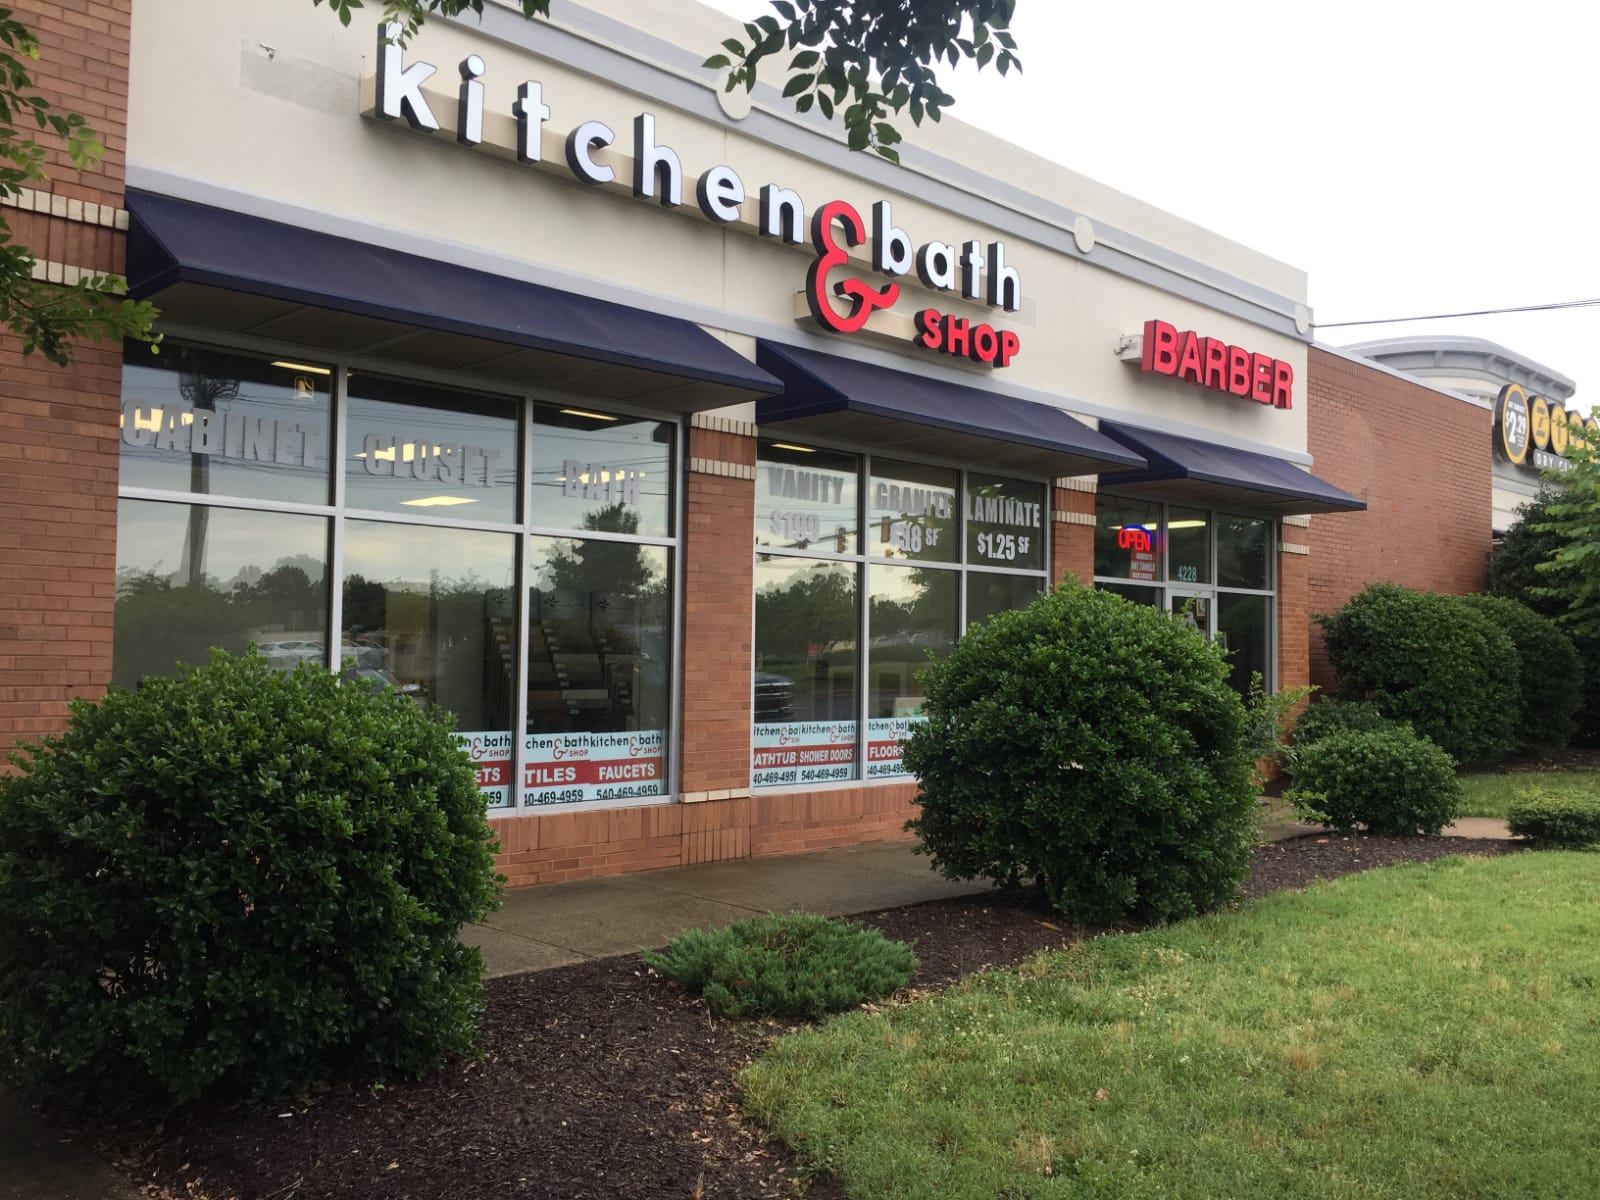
(341, 376)
(672, 735)
(522, 614)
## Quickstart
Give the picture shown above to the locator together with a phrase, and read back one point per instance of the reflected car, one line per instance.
(774, 698)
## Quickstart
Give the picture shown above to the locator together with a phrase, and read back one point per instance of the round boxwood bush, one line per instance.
(1557, 817)
(1093, 746)
(1433, 660)
(1548, 670)
(1390, 780)
(785, 965)
(1335, 716)
(238, 882)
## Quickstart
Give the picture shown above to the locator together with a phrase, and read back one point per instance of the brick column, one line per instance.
(718, 589)
(58, 427)
(1072, 531)
(1294, 603)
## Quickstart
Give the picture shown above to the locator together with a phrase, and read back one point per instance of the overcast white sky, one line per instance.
(1412, 156)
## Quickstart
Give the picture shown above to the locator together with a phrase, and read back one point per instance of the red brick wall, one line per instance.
(1420, 459)
(1072, 549)
(58, 427)
(1294, 613)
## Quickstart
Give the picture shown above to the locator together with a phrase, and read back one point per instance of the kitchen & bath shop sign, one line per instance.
(839, 300)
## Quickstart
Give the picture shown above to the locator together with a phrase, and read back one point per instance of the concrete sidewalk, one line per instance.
(36, 1163)
(564, 923)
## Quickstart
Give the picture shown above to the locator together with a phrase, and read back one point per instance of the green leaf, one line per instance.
(797, 84)
(717, 61)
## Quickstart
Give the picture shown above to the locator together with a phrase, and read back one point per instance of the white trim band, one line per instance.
(722, 424)
(1293, 548)
(712, 466)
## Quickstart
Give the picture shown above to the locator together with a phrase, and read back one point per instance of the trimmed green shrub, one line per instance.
(1091, 745)
(1337, 716)
(1565, 816)
(1433, 660)
(1549, 673)
(1389, 780)
(238, 882)
(785, 965)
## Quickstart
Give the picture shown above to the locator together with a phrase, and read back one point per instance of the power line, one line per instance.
(1482, 312)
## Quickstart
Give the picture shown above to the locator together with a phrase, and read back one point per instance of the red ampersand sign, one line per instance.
(863, 299)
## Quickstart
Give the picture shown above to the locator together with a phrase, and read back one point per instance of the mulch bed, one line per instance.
(602, 1080)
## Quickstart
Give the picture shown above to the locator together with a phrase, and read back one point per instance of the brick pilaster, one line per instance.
(1072, 535)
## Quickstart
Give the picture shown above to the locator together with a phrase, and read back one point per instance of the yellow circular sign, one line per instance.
(1512, 423)
(1539, 416)
(1558, 432)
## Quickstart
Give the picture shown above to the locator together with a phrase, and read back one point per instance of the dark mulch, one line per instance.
(603, 1081)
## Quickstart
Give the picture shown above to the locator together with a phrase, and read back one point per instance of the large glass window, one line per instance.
(824, 653)
(506, 559)
(194, 576)
(219, 424)
(430, 612)
(1211, 570)
(426, 450)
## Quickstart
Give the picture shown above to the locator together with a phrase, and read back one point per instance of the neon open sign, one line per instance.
(1134, 537)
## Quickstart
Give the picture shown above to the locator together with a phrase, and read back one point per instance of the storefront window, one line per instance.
(426, 451)
(1244, 626)
(220, 424)
(989, 594)
(806, 687)
(807, 499)
(1150, 596)
(913, 615)
(599, 670)
(911, 512)
(600, 472)
(811, 684)
(1005, 522)
(194, 576)
(1188, 546)
(1244, 552)
(1126, 538)
(429, 612)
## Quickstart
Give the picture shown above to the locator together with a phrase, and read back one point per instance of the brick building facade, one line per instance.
(362, 322)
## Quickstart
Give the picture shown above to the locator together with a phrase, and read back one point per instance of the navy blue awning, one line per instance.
(1187, 471)
(844, 400)
(221, 269)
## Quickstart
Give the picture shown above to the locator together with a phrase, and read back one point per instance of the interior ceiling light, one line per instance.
(294, 366)
(593, 416)
(439, 501)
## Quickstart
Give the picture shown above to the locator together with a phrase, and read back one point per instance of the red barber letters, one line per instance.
(1217, 365)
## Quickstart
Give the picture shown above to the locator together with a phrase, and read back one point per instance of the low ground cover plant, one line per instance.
(238, 882)
(1388, 781)
(1433, 660)
(1294, 1050)
(1091, 746)
(1557, 816)
(785, 965)
(1491, 793)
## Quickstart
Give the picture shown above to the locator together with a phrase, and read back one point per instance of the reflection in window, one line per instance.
(429, 451)
(911, 512)
(805, 691)
(192, 576)
(429, 612)
(211, 423)
(1127, 536)
(599, 666)
(1005, 523)
(989, 594)
(1188, 546)
(1150, 596)
(1244, 552)
(913, 615)
(1244, 626)
(806, 499)
(587, 463)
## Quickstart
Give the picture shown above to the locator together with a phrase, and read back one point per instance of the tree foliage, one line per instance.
(49, 317)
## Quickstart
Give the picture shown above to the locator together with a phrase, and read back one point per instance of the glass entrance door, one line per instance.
(1195, 608)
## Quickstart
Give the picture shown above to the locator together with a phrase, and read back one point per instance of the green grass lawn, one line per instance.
(1490, 794)
(1422, 1032)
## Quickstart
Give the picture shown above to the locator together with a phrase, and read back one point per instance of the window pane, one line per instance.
(912, 512)
(1244, 549)
(807, 499)
(1126, 534)
(991, 594)
(913, 614)
(429, 611)
(1005, 523)
(1150, 596)
(424, 450)
(599, 670)
(1188, 546)
(190, 577)
(602, 473)
(805, 679)
(1244, 626)
(224, 424)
